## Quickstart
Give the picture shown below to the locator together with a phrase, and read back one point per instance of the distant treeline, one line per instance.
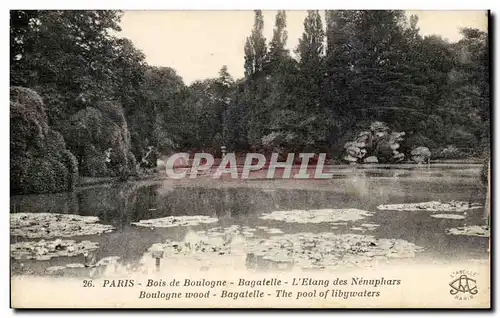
(108, 107)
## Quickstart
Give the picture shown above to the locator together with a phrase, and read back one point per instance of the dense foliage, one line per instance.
(39, 160)
(349, 70)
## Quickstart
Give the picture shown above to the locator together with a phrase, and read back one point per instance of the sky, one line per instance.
(197, 43)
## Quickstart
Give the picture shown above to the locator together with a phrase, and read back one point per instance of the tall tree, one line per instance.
(249, 57)
(341, 42)
(310, 48)
(255, 46)
(277, 46)
(67, 56)
(310, 84)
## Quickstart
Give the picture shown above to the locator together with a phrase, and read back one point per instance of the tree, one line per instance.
(310, 48)
(66, 56)
(255, 46)
(310, 83)
(277, 46)
(39, 159)
(469, 96)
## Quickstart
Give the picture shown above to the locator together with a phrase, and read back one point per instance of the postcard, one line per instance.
(250, 159)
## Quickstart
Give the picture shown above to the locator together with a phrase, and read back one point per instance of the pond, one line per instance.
(247, 207)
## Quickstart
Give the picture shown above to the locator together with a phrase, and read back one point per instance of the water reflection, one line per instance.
(121, 204)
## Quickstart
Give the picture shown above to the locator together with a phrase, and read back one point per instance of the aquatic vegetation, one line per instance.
(55, 269)
(229, 231)
(432, 206)
(449, 216)
(51, 225)
(205, 246)
(86, 270)
(244, 231)
(305, 250)
(274, 231)
(206, 250)
(317, 216)
(472, 230)
(329, 250)
(357, 228)
(172, 221)
(45, 250)
(370, 226)
(109, 260)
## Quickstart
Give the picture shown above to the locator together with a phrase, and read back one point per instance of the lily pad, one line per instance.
(432, 206)
(358, 229)
(317, 216)
(50, 225)
(370, 226)
(274, 231)
(173, 221)
(108, 260)
(449, 216)
(329, 250)
(55, 269)
(195, 247)
(472, 230)
(45, 250)
(230, 231)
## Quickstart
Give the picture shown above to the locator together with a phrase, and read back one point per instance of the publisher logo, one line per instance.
(463, 286)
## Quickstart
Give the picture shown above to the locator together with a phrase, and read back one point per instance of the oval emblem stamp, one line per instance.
(463, 286)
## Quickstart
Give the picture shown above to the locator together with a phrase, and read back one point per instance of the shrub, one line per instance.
(94, 132)
(450, 152)
(45, 176)
(40, 162)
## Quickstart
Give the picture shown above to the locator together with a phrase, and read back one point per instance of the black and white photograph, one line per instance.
(250, 159)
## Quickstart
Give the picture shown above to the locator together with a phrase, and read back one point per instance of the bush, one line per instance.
(450, 152)
(40, 162)
(46, 176)
(94, 132)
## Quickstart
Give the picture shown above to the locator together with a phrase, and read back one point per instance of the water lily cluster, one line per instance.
(51, 225)
(303, 250)
(316, 216)
(432, 206)
(472, 230)
(46, 226)
(173, 221)
(329, 250)
(45, 250)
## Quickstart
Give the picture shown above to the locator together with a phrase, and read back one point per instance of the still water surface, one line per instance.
(242, 202)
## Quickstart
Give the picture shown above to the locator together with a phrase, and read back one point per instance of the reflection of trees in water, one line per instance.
(111, 204)
(66, 203)
(237, 202)
(221, 203)
(123, 203)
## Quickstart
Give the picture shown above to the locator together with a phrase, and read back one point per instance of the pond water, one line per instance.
(243, 203)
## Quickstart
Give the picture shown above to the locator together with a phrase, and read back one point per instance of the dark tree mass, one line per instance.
(361, 86)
